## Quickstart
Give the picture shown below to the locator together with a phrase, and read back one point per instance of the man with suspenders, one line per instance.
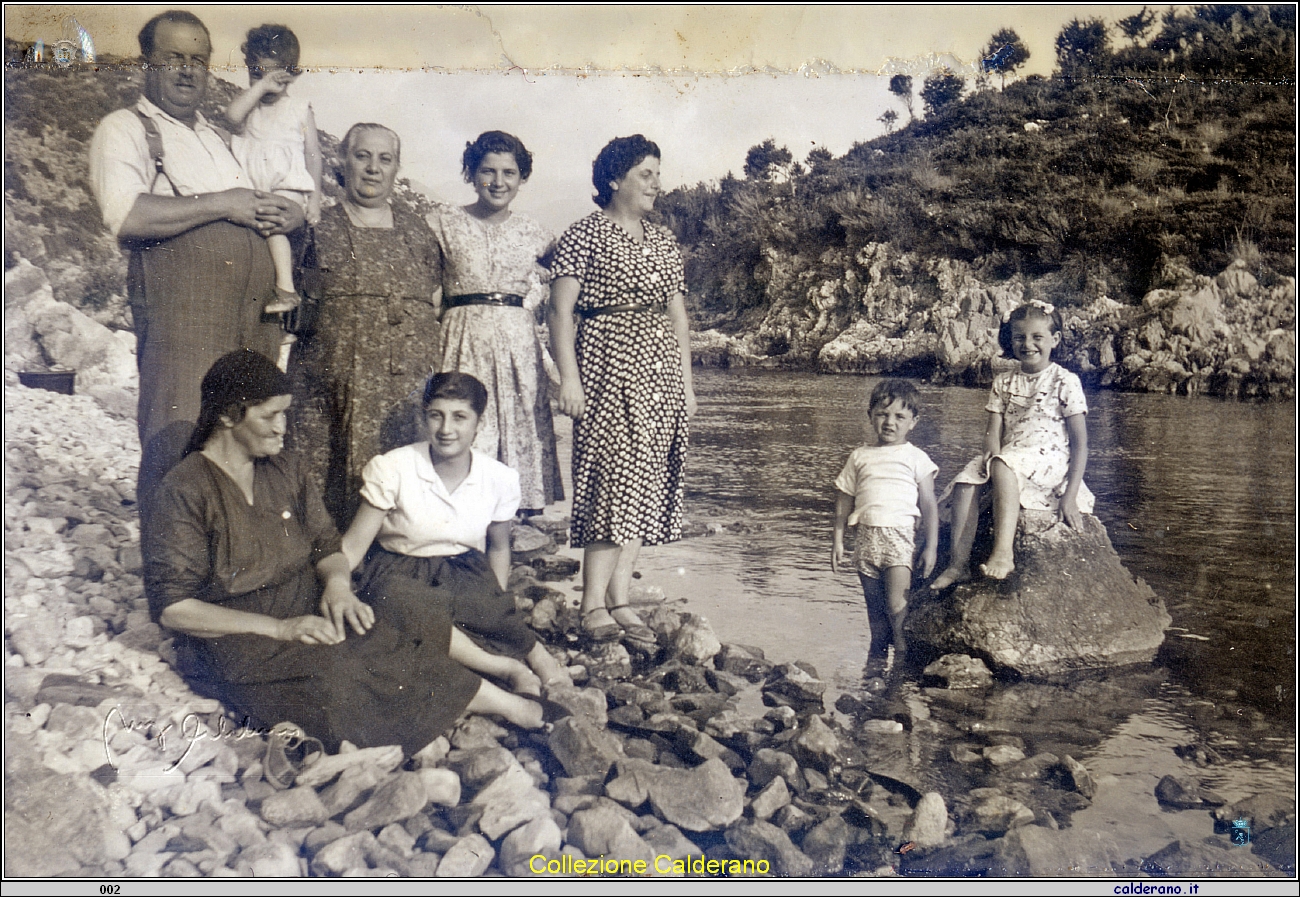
(200, 272)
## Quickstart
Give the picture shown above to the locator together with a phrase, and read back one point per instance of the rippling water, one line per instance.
(1198, 496)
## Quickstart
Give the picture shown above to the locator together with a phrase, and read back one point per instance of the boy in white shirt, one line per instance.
(884, 489)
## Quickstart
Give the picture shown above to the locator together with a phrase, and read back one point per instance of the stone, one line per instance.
(555, 568)
(342, 854)
(603, 830)
(469, 857)
(574, 701)
(1043, 853)
(478, 768)
(793, 820)
(1069, 605)
(794, 685)
(609, 661)
(705, 798)
(55, 823)
(584, 749)
(1277, 845)
(998, 814)
(1003, 754)
(297, 806)
(960, 671)
(511, 800)
(319, 837)
(441, 786)
(1207, 859)
(33, 643)
(772, 798)
(528, 543)
(395, 837)
(1078, 777)
(929, 823)
(769, 764)
(695, 641)
(764, 840)
(827, 845)
(352, 783)
(1261, 812)
(270, 860)
(817, 745)
(539, 836)
(383, 759)
(1184, 794)
(398, 798)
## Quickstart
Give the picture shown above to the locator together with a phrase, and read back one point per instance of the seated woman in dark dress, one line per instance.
(243, 560)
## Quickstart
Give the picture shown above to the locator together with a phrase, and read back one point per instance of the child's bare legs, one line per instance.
(507, 669)
(492, 700)
(1006, 514)
(965, 521)
(286, 298)
(886, 598)
(897, 581)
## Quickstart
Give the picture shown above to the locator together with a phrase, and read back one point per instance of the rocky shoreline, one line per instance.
(884, 311)
(662, 756)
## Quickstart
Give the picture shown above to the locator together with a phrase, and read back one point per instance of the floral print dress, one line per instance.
(499, 344)
(1035, 443)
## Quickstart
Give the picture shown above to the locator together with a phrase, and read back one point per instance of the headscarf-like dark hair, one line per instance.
(235, 382)
(619, 156)
(174, 16)
(457, 385)
(495, 142)
(887, 392)
(271, 42)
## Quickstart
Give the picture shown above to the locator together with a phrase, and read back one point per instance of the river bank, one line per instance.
(114, 768)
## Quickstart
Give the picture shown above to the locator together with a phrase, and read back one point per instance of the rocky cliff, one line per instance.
(884, 311)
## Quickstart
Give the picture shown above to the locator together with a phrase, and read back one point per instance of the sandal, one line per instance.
(289, 750)
(601, 632)
(635, 628)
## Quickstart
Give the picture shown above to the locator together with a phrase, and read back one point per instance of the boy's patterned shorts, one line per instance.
(879, 547)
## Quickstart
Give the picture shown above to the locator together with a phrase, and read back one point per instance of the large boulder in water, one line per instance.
(1069, 605)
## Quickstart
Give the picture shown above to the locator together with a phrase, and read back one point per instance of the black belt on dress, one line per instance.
(599, 310)
(499, 299)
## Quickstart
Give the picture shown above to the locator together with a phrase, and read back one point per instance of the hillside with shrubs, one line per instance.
(1147, 189)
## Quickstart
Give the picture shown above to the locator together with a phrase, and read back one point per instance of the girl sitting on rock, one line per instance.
(1035, 447)
(442, 513)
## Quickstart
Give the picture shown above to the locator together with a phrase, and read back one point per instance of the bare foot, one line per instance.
(950, 577)
(523, 681)
(549, 670)
(998, 567)
(524, 714)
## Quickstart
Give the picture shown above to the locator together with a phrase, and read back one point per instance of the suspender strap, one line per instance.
(154, 139)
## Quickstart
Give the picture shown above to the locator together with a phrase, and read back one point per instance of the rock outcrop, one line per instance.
(1069, 605)
(884, 311)
(42, 333)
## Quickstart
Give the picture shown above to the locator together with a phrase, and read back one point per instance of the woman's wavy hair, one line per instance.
(619, 156)
(495, 142)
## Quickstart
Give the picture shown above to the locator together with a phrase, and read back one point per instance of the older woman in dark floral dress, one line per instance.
(376, 338)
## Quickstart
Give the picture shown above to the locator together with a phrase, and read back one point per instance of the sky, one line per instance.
(704, 82)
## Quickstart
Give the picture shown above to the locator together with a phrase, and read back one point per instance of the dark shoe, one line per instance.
(600, 631)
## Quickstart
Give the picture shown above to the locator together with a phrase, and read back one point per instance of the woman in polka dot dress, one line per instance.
(625, 379)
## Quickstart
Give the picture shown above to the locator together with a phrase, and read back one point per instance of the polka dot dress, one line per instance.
(629, 447)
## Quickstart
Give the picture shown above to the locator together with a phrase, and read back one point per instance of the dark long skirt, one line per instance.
(479, 606)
